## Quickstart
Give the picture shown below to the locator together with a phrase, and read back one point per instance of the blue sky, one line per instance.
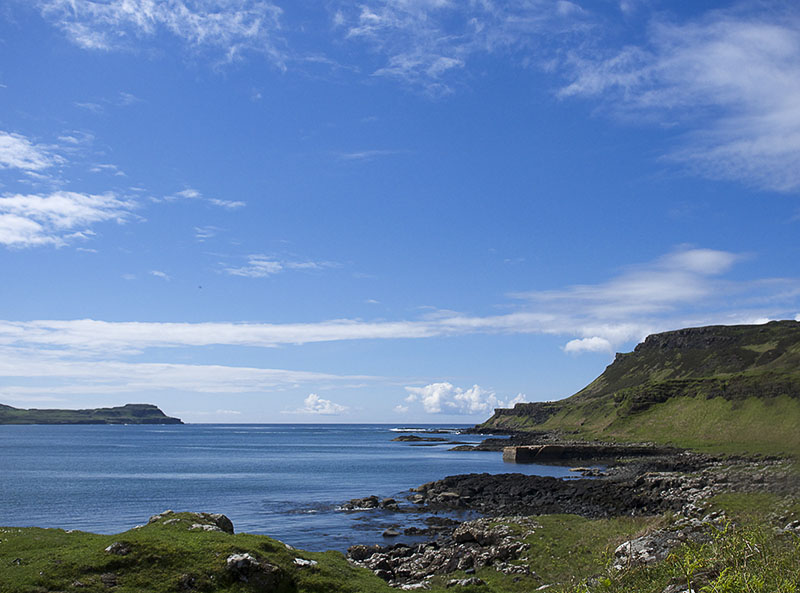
(396, 211)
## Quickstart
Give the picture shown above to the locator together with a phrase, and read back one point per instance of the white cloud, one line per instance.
(126, 99)
(680, 289)
(444, 398)
(229, 204)
(731, 77)
(261, 266)
(89, 106)
(28, 373)
(314, 404)
(401, 409)
(193, 194)
(202, 233)
(107, 168)
(426, 42)
(683, 276)
(55, 219)
(17, 152)
(258, 266)
(366, 155)
(160, 274)
(227, 27)
(593, 344)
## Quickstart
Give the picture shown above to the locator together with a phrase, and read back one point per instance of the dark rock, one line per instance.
(391, 533)
(412, 438)
(221, 521)
(361, 504)
(259, 573)
(119, 549)
(361, 552)
(408, 565)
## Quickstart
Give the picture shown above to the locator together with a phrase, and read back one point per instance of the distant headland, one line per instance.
(127, 414)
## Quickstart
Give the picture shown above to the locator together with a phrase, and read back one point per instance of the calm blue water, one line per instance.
(282, 480)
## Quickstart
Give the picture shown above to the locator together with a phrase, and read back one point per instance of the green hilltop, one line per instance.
(127, 414)
(723, 388)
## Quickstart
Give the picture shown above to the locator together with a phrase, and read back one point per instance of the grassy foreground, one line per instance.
(568, 553)
(165, 556)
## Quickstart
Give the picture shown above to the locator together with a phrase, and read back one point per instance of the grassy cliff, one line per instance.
(732, 388)
(127, 414)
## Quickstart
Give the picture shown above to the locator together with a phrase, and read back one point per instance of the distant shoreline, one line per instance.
(127, 414)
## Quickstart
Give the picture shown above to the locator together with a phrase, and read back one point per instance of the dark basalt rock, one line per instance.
(412, 438)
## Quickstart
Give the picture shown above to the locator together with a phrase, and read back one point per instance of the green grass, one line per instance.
(564, 549)
(737, 560)
(163, 558)
(715, 425)
(745, 556)
(571, 553)
(767, 426)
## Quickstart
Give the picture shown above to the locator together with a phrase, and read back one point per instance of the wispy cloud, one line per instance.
(107, 168)
(731, 78)
(228, 28)
(56, 218)
(160, 274)
(425, 43)
(193, 194)
(367, 155)
(30, 374)
(124, 99)
(445, 398)
(262, 266)
(18, 152)
(201, 233)
(683, 288)
(90, 106)
(314, 404)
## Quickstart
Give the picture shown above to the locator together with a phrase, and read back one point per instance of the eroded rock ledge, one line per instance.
(681, 484)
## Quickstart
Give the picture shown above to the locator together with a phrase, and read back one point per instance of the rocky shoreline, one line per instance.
(638, 480)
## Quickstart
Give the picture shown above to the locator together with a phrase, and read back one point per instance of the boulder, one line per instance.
(259, 573)
(119, 549)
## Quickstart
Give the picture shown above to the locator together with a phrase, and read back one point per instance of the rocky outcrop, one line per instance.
(258, 573)
(517, 493)
(196, 521)
(471, 546)
(369, 503)
(572, 452)
(412, 438)
(657, 545)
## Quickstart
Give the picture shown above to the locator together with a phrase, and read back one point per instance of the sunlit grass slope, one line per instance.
(165, 556)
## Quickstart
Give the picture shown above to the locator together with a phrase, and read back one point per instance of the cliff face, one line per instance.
(733, 367)
(127, 414)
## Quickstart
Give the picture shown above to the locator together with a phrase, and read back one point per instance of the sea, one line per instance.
(287, 481)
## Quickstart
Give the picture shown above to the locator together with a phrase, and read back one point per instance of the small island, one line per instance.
(127, 414)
